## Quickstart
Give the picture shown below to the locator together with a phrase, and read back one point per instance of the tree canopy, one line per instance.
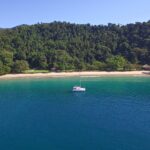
(69, 46)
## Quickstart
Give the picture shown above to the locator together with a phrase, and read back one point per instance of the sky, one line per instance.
(95, 12)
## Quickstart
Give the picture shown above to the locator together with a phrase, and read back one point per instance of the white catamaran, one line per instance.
(78, 88)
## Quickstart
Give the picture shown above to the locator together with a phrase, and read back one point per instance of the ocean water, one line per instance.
(44, 114)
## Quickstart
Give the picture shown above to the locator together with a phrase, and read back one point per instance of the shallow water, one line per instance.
(44, 114)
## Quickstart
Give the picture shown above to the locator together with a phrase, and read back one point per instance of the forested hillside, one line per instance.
(66, 46)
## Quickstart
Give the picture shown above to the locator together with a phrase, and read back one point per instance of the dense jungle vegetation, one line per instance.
(66, 46)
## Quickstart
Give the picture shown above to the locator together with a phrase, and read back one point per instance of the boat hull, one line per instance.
(79, 90)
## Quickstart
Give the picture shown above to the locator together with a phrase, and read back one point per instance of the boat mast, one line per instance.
(80, 78)
(80, 81)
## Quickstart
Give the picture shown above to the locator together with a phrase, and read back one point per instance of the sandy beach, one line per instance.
(72, 74)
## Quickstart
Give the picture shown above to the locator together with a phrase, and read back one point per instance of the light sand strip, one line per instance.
(71, 74)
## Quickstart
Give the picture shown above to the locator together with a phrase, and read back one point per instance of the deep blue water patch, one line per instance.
(44, 114)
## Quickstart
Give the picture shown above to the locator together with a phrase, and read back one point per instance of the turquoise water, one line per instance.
(43, 114)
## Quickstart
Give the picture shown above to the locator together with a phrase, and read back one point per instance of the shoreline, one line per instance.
(74, 74)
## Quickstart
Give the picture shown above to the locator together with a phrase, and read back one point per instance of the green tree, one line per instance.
(37, 60)
(7, 58)
(99, 65)
(41, 61)
(60, 59)
(20, 55)
(6, 61)
(20, 66)
(116, 63)
(102, 52)
(1, 68)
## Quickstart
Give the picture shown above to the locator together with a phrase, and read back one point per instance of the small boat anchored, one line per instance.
(78, 89)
